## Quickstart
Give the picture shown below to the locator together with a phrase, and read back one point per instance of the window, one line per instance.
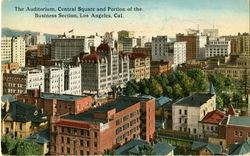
(62, 150)
(87, 152)
(221, 143)
(203, 127)
(68, 130)
(81, 152)
(68, 150)
(81, 132)
(95, 144)
(68, 140)
(81, 142)
(185, 120)
(194, 130)
(62, 129)
(95, 134)
(125, 118)
(240, 134)
(179, 111)
(185, 112)
(248, 134)
(87, 143)
(118, 122)
(87, 133)
(21, 127)
(179, 120)
(62, 139)
(212, 128)
(126, 126)
(235, 133)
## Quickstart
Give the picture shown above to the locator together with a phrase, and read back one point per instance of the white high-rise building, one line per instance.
(160, 48)
(73, 80)
(203, 41)
(179, 55)
(39, 39)
(218, 48)
(103, 70)
(54, 80)
(6, 49)
(18, 50)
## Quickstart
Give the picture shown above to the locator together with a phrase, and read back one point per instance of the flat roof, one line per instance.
(119, 104)
(239, 121)
(195, 100)
(64, 97)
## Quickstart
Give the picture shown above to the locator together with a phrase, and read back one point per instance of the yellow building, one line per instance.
(139, 65)
(21, 120)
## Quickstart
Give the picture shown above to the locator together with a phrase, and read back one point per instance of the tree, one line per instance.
(9, 145)
(177, 91)
(200, 80)
(155, 88)
(16, 146)
(130, 90)
(29, 148)
(146, 150)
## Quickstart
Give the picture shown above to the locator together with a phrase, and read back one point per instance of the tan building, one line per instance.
(158, 68)
(243, 43)
(139, 65)
(21, 119)
(239, 71)
(9, 66)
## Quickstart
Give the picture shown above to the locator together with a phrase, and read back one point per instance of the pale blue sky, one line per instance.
(158, 17)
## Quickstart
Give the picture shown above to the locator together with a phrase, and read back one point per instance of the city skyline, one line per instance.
(166, 17)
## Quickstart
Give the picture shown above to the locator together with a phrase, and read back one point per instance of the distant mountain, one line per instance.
(11, 32)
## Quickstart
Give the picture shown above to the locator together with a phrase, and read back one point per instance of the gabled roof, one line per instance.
(131, 146)
(41, 137)
(231, 111)
(240, 149)
(195, 100)
(214, 117)
(214, 149)
(22, 112)
(163, 148)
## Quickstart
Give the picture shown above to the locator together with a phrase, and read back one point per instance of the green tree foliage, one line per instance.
(16, 146)
(146, 150)
(178, 84)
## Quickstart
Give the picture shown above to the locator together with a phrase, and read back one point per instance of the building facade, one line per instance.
(64, 48)
(17, 82)
(18, 50)
(218, 48)
(187, 111)
(139, 66)
(160, 48)
(179, 55)
(192, 45)
(6, 49)
(105, 127)
(158, 68)
(103, 70)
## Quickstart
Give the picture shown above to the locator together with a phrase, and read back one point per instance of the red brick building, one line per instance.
(191, 44)
(57, 104)
(105, 127)
(235, 129)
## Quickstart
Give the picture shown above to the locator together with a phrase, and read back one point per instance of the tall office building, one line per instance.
(6, 49)
(124, 34)
(103, 70)
(128, 44)
(218, 48)
(18, 50)
(212, 33)
(64, 48)
(160, 48)
(243, 43)
(179, 55)
(192, 47)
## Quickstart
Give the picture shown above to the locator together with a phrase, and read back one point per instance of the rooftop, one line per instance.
(163, 148)
(240, 149)
(131, 146)
(103, 47)
(195, 100)
(22, 112)
(91, 57)
(239, 121)
(64, 97)
(214, 117)
(214, 149)
(40, 137)
(10, 98)
(119, 104)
